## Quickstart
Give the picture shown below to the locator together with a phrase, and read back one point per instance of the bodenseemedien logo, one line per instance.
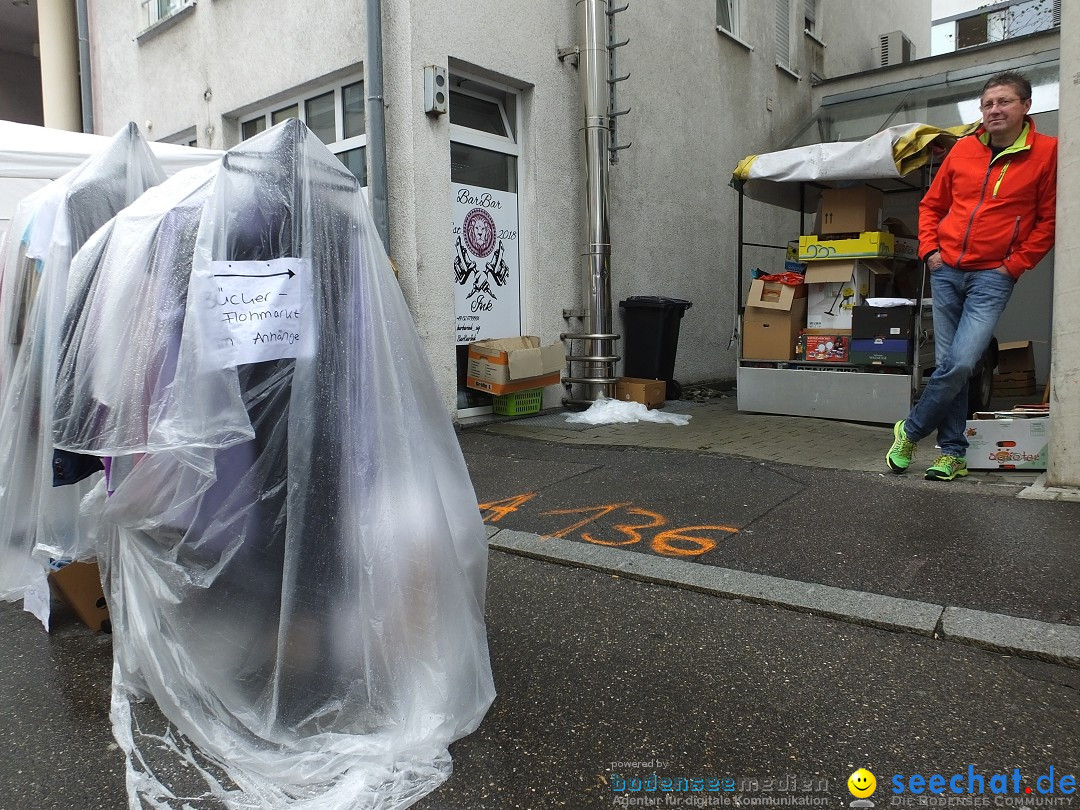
(862, 785)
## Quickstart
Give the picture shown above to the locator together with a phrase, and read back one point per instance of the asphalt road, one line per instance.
(604, 680)
(856, 530)
(601, 679)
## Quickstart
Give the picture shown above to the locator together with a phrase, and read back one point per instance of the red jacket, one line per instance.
(982, 212)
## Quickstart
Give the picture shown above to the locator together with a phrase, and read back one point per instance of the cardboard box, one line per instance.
(850, 210)
(882, 322)
(773, 294)
(835, 288)
(824, 348)
(770, 333)
(650, 393)
(904, 248)
(1008, 444)
(1016, 356)
(78, 584)
(880, 351)
(505, 365)
(1015, 384)
(868, 245)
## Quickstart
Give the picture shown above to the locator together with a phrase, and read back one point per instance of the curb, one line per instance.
(1058, 644)
(1039, 491)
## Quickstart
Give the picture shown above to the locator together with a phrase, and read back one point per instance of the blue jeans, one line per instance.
(967, 305)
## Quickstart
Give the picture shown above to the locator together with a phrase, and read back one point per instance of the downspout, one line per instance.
(376, 122)
(85, 87)
(593, 75)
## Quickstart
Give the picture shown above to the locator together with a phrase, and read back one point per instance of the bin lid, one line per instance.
(654, 301)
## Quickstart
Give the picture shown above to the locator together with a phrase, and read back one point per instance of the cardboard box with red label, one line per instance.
(1008, 443)
(824, 348)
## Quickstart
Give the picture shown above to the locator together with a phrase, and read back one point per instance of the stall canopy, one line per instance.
(891, 154)
(32, 156)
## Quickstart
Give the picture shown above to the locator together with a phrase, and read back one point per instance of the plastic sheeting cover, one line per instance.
(295, 562)
(37, 521)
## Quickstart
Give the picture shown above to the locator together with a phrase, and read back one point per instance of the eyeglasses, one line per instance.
(1001, 102)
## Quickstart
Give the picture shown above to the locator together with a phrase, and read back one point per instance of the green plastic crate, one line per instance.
(518, 403)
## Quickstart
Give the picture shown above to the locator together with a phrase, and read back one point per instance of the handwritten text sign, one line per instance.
(261, 308)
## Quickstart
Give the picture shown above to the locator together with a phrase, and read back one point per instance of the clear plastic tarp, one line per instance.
(293, 555)
(37, 520)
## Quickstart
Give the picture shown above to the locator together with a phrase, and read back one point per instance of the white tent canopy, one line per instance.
(888, 155)
(32, 156)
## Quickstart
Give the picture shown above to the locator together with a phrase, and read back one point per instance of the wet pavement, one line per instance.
(604, 678)
(879, 533)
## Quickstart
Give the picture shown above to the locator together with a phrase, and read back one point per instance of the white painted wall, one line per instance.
(244, 51)
(522, 55)
(1064, 468)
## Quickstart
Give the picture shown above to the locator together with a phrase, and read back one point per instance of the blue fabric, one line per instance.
(967, 305)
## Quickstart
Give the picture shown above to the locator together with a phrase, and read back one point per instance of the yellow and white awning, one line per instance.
(891, 153)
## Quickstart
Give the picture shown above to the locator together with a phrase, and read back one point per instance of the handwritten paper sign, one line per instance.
(261, 308)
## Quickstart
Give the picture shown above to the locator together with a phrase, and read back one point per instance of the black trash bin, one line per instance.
(651, 339)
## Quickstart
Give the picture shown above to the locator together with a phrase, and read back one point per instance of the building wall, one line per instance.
(523, 56)
(700, 101)
(851, 28)
(20, 90)
(244, 52)
(1064, 468)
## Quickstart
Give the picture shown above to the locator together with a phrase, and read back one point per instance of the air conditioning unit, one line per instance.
(893, 48)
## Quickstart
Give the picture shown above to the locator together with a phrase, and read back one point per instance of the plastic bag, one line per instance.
(606, 411)
(38, 521)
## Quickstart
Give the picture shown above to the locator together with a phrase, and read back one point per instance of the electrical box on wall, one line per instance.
(436, 90)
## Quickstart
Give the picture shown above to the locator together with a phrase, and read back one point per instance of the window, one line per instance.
(186, 137)
(154, 11)
(1015, 19)
(980, 29)
(785, 42)
(335, 115)
(810, 17)
(728, 17)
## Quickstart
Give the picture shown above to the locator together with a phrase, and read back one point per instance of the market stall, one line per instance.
(816, 349)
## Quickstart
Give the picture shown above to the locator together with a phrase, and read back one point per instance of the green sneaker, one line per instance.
(902, 451)
(946, 468)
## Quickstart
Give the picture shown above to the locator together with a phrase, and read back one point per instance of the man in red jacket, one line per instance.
(987, 218)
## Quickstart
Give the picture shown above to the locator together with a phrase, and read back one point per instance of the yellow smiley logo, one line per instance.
(861, 783)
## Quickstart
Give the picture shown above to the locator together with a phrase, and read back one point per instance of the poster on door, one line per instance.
(486, 268)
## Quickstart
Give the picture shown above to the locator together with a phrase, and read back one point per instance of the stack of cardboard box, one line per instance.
(882, 336)
(1015, 376)
(845, 262)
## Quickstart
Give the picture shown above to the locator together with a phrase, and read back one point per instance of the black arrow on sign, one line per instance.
(289, 273)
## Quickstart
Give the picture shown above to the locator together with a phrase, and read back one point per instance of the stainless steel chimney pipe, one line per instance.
(593, 74)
